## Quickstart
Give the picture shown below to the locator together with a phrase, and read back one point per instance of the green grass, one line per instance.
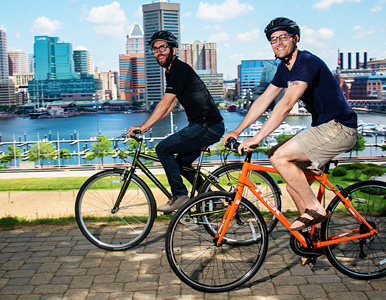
(56, 183)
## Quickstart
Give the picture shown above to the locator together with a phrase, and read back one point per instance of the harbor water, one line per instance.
(24, 132)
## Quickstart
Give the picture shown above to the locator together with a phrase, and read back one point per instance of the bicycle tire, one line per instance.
(360, 258)
(228, 175)
(120, 230)
(198, 262)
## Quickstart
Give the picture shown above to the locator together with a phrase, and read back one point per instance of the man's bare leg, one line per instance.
(297, 185)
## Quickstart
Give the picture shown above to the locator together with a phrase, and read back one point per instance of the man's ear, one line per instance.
(174, 50)
(296, 38)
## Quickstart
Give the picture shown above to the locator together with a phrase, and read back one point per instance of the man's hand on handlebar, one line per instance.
(133, 130)
(244, 146)
(231, 134)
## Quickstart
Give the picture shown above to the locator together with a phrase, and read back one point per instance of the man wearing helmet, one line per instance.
(205, 121)
(333, 130)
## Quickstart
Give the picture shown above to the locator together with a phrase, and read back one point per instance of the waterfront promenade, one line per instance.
(56, 262)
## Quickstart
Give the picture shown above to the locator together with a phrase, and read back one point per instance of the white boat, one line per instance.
(370, 129)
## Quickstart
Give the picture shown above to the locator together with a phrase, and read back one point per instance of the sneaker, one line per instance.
(173, 204)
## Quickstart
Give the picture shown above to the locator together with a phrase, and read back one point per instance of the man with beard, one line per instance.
(205, 121)
(333, 129)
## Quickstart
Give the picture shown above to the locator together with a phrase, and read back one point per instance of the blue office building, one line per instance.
(255, 76)
(54, 72)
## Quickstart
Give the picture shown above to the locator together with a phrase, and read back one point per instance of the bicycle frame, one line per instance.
(137, 163)
(244, 182)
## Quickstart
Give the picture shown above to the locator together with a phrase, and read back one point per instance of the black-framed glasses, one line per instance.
(160, 49)
(283, 37)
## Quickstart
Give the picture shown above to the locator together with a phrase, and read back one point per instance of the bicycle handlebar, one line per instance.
(233, 144)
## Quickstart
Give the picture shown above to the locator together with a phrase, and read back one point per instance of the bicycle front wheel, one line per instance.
(118, 229)
(363, 258)
(192, 252)
(228, 176)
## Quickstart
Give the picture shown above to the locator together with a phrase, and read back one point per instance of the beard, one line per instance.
(167, 61)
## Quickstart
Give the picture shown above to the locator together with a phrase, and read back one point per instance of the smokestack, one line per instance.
(357, 61)
(365, 60)
(349, 60)
(341, 61)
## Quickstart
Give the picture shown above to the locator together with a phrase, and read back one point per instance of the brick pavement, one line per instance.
(62, 264)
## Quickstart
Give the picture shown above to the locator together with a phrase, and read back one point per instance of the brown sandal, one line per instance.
(307, 221)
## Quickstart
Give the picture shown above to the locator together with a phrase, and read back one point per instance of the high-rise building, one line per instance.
(132, 77)
(200, 56)
(4, 69)
(54, 72)
(81, 60)
(17, 62)
(30, 63)
(159, 15)
(214, 83)
(254, 77)
(7, 88)
(134, 44)
(109, 84)
(53, 59)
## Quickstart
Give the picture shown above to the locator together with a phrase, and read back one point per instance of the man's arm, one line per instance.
(259, 106)
(279, 113)
(163, 109)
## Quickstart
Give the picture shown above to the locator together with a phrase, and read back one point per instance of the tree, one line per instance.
(41, 151)
(100, 149)
(64, 154)
(282, 137)
(360, 145)
(8, 157)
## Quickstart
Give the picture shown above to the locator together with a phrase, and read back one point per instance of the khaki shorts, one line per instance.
(322, 143)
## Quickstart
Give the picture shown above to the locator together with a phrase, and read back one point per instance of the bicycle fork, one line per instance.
(232, 208)
(126, 178)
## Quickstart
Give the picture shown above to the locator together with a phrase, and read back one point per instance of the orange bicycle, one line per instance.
(218, 240)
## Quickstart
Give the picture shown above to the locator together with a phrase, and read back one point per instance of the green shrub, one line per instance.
(2, 167)
(339, 171)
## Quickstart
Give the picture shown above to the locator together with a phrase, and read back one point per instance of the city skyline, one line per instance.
(237, 26)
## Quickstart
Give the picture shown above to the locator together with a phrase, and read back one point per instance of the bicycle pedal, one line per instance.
(306, 229)
(166, 213)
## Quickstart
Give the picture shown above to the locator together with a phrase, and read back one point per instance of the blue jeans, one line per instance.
(187, 144)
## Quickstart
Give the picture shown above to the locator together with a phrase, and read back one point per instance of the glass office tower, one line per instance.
(157, 16)
(81, 59)
(53, 59)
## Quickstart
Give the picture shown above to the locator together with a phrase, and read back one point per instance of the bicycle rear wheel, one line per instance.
(228, 176)
(123, 228)
(360, 258)
(195, 258)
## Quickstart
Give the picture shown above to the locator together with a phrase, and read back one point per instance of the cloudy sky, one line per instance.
(236, 25)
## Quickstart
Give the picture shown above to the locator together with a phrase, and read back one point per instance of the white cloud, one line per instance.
(139, 13)
(376, 8)
(236, 58)
(110, 21)
(326, 4)
(361, 32)
(219, 37)
(45, 26)
(246, 37)
(187, 14)
(315, 38)
(229, 9)
(18, 35)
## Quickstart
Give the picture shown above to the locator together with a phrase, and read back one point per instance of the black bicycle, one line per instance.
(115, 209)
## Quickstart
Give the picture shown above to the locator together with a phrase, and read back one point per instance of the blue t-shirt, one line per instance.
(323, 98)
